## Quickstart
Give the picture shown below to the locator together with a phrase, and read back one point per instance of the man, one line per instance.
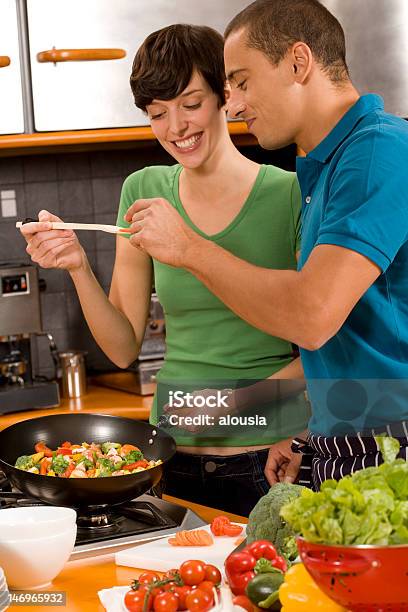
(347, 305)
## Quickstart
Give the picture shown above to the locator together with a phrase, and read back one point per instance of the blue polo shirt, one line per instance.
(355, 195)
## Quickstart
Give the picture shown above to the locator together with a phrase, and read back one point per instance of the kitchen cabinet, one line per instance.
(11, 96)
(95, 93)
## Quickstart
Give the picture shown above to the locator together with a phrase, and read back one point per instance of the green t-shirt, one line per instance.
(207, 345)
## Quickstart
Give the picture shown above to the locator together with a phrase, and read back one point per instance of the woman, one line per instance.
(178, 79)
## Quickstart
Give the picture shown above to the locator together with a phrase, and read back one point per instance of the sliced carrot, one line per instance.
(196, 537)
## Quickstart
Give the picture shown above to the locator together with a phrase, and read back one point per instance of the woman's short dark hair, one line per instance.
(273, 26)
(165, 62)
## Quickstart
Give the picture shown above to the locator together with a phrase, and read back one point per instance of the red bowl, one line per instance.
(360, 578)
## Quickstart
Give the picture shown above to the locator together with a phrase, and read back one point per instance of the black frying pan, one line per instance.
(20, 438)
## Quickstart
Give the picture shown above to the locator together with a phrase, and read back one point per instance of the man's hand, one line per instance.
(158, 229)
(282, 464)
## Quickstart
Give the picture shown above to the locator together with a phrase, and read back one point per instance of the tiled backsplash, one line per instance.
(84, 187)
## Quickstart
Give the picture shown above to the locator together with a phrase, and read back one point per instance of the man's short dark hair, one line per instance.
(165, 62)
(273, 26)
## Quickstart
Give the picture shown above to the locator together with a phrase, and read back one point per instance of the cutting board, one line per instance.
(160, 556)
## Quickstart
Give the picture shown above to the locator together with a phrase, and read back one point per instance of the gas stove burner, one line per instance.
(103, 520)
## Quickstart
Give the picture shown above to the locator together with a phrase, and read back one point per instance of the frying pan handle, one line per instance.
(345, 565)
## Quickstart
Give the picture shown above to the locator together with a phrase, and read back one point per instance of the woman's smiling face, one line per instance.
(190, 125)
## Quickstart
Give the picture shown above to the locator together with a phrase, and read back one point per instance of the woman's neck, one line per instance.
(222, 170)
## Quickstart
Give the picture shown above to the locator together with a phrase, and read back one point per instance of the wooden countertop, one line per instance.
(82, 579)
(98, 399)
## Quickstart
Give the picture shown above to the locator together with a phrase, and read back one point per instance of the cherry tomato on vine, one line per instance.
(148, 577)
(212, 573)
(166, 602)
(199, 601)
(192, 572)
(182, 592)
(134, 600)
(206, 586)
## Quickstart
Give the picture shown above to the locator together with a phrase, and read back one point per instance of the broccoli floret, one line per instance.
(265, 523)
(25, 462)
(106, 466)
(59, 463)
(133, 456)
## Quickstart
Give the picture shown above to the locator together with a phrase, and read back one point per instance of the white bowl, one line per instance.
(35, 544)
(35, 521)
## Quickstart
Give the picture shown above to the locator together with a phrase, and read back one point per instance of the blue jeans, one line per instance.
(232, 484)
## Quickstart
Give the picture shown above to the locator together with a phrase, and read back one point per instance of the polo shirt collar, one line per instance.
(364, 105)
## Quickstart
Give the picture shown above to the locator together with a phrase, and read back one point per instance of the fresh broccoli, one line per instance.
(59, 464)
(265, 523)
(133, 456)
(25, 462)
(107, 467)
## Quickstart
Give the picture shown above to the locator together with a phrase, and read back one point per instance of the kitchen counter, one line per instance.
(98, 399)
(82, 579)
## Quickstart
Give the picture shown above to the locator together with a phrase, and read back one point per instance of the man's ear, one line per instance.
(301, 59)
(227, 94)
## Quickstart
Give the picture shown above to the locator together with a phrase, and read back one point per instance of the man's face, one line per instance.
(262, 94)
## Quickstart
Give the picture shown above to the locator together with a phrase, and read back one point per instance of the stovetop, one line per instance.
(103, 530)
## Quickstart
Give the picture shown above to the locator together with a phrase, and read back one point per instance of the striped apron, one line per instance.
(335, 457)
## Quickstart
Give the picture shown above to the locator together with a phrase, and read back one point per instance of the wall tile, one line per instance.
(39, 196)
(106, 163)
(73, 166)
(20, 199)
(11, 170)
(152, 154)
(12, 243)
(40, 168)
(54, 313)
(75, 198)
(106, 195)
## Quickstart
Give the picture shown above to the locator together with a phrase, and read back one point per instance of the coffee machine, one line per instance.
(20, 324)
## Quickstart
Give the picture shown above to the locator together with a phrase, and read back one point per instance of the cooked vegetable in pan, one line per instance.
(85, 460)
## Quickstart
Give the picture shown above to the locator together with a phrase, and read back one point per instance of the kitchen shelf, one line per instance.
(83, 140)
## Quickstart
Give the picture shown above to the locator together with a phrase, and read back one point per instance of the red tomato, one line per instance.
(148, 577)
(218, 524)
(212, 573)
(171, 573)
(244, 602)
(206, 586)
(232, 530)
(66, 445)
(192, 572)
(165, 602)
(198, 601)
(182, 593)
(64, 451)
(134, 600)
(41, 448)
